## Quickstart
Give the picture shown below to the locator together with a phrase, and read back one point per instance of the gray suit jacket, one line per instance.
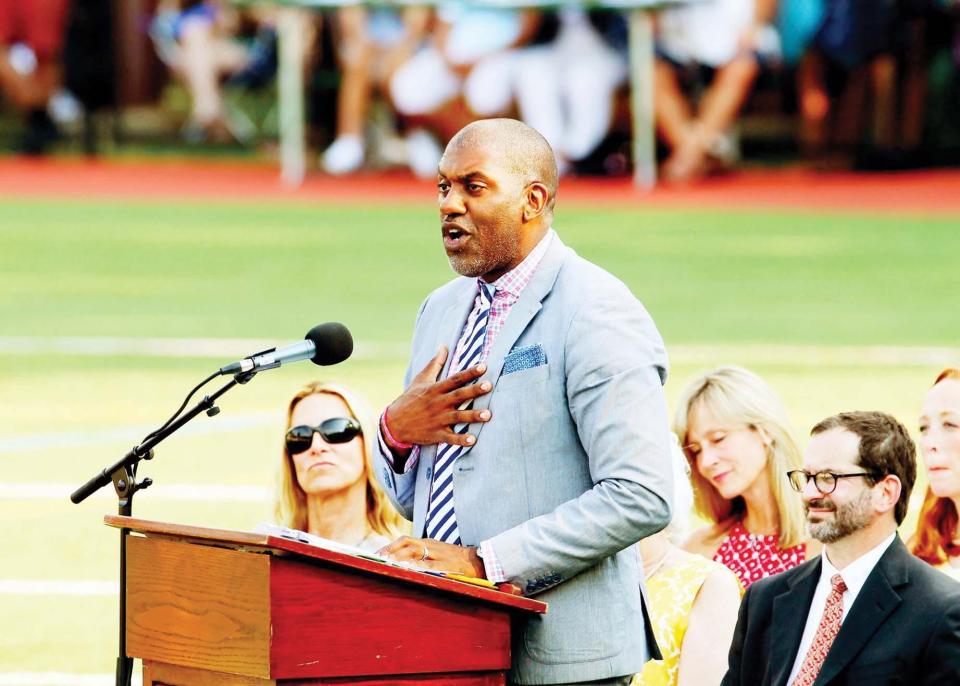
(573, 468)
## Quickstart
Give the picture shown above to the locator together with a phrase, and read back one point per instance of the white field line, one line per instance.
(816, 355)
(225, 349)
(228, 349)
(22, 587)
(181, 492)
(133, 434)
(63, 679)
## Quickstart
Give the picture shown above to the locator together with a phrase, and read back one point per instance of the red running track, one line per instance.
(925, 192)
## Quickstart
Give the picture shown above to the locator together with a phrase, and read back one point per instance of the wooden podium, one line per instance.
(211, 606)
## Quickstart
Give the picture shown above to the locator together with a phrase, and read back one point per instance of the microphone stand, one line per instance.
(123, 474)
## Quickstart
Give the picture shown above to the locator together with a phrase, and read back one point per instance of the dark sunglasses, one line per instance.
(333, 430)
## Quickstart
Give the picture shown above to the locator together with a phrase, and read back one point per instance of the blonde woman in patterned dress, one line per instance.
(693, 601)
(739, 443)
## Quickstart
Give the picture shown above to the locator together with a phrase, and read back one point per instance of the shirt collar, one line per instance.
(855, 574)
(515, 280)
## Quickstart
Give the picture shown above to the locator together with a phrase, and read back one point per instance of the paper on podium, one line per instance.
(319, 541)
(336, 546)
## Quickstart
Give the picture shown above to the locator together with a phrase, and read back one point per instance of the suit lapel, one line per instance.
(876, 600)
(521, 314)
(788, 620)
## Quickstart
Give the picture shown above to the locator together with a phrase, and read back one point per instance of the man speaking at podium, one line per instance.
(530, 445)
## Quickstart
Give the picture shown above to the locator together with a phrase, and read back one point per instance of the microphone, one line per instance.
(324, 344)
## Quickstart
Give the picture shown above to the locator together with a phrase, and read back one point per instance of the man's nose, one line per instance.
(810, 491)
(451, 204)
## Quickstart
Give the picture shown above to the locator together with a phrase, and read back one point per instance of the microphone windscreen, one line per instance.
(333, 342)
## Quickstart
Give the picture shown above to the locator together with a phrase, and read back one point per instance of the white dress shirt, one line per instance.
(854, 576)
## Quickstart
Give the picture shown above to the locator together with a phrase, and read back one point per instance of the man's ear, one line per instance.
(887, 493)
(535, 200)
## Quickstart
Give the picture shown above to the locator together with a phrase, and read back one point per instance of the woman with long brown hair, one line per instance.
(326, 485)
(937, 539)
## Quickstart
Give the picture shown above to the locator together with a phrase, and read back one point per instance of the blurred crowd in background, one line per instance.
(869, 84)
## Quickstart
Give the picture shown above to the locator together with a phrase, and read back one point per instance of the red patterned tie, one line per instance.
(826, 632)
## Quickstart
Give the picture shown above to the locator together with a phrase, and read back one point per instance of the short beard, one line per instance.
(847, 519)
(498, 254)
(467, 266)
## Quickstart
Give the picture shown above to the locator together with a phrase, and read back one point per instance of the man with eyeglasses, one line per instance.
(865, 611)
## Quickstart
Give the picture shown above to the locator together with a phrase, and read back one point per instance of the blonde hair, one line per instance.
(738, 396)
(290, 508)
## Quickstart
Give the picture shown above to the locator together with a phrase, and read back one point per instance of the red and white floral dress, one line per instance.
(752, 557)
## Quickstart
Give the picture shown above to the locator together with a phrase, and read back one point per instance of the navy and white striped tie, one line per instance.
(441, 519)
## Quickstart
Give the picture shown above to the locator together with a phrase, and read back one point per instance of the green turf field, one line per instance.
(255, 270)
(733, 286)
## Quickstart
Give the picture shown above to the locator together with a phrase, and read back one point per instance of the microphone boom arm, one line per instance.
(123, 474)
(324, 344)
(144, 451)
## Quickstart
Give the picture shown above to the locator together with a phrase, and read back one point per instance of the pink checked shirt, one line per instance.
(507, 292)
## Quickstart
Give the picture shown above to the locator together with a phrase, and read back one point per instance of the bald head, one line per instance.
(496, 186)
(520, 148)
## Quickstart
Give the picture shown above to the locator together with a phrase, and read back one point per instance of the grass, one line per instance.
(272, 271)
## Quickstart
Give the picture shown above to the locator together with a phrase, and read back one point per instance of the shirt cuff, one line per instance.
(491, 563)
(389, 456)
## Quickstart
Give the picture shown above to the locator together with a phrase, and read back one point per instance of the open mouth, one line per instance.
(455, 240)
(454, 237)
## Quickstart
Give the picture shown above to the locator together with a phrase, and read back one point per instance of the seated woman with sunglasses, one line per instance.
(326, 482)
(737, 438)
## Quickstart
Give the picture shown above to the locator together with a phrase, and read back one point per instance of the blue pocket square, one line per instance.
(524, 358)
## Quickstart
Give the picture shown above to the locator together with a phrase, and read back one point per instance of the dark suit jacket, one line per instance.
(903, 628)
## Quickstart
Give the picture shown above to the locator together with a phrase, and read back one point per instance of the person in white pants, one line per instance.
(466, 72)
(565, 89)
